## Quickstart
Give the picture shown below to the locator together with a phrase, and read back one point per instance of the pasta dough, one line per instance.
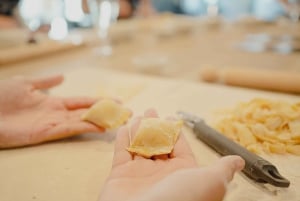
(155, 137)
(107, 114)
(263, 125)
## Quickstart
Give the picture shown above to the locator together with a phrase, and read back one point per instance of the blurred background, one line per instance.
(75, 12)
(174, 38)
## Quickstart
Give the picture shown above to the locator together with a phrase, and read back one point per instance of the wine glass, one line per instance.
(103, 14)
(36, 14)
(212, 7)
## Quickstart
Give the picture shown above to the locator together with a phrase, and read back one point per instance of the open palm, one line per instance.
(29, 116)
(138, 178)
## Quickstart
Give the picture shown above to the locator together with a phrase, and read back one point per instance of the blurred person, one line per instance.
(146, 8)
(7, 19)
(126, 8)
(292, 9)
(268, 10)
(230, 9)
(7, 22)
(6, 13)
(187, 7)
(235, 9)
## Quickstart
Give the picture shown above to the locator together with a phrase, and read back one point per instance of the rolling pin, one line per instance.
(274, 80)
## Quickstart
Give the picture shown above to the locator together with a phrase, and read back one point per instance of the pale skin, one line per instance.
(175, 177)
(28, 116)
(145, 8)
(7, 22)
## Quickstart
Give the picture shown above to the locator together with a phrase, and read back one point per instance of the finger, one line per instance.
(150, 113)
(75, 116)
(182, 148)
(134, 127)
(69, 129)
(161, 157)
(78, 102)
(138, 157)
(132, 132)
(46, 82)
(227, 166)
(121, 155)
(137, 120)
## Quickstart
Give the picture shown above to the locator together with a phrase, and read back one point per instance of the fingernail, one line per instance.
(239, 164)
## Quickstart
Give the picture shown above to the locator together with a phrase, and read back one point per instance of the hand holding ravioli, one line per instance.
(29, 116)
(148, 172)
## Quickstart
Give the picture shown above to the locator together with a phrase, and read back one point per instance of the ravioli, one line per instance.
(107, 114)
(155, 137)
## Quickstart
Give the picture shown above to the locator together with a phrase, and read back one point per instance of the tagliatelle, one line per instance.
(264, 126)
(155, 137)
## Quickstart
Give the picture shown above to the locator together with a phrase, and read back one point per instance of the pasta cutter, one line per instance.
(256, 168)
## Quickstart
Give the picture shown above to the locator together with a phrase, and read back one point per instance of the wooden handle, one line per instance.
(24, 52)
(254, 78)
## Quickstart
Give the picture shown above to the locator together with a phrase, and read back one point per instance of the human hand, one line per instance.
(173, 178)
(29, 116)
(7, 22)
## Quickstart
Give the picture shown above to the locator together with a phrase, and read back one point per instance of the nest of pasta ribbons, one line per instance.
(263, 126)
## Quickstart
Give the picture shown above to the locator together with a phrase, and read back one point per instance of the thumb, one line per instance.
(222, 173)
(228, 165)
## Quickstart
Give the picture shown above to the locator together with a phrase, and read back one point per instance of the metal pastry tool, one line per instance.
(256, 167)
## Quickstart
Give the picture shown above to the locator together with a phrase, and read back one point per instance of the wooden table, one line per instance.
(76, 168)
(178, 54)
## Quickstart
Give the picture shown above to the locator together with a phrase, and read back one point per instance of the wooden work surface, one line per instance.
(165, 47)
(75, 169)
